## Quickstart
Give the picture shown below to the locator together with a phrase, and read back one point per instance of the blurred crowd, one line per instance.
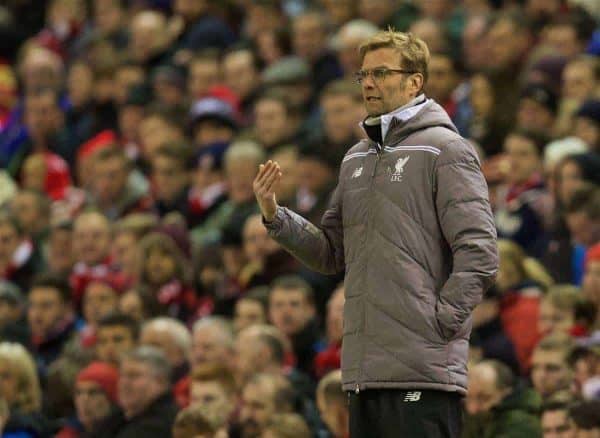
(141, 295)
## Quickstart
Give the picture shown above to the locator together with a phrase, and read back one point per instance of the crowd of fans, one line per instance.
(141, 295)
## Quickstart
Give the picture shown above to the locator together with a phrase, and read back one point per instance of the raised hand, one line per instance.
(268, 176)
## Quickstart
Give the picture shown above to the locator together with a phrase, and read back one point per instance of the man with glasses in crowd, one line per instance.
(411, 225)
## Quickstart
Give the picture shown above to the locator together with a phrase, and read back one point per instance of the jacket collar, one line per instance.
(401, 114)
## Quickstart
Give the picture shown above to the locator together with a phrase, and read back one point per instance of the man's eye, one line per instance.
(379, 73)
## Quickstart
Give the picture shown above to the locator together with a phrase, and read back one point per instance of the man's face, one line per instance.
(46, 309)
(91, 239)
(562, 40)
(289, 310)
(138, 387)
(588, 131)
(211, 396)
(204, 74)
(212, 131)
(9, 241)
(570, 179)
(554, 320)
(556, 424)
(256, 240)
(240, 73)
(26, 208)
(549, 372)
(169, 178)
(271, 122)
(505, 44)
(153, 133)
(591, 282)
(124, 251)
(335, 316)
(442, 78)
(308, 36)
(147, 35)
(107, 15)
(482, 394)
(523, 158)
(381, 96)
(534, 116)
(341, 114)
(160, 267)
(258, 407)
(125, 79)
(578, 81)
(208, 347)
(91, 403)
(250, 357)
(112, 342)
(99, 300)
(60, 254)
(189, 9)
(42, 116)
(584, 230)
(247, 313)
(110, 179)
(162, 340)
(9, 313)
(239, 177)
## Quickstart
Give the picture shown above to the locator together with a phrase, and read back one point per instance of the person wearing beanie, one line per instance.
(95, 396)
(537, 109)
(587, 124)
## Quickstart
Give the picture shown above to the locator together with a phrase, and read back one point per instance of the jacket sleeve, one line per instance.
(467, 223)
(319, 248)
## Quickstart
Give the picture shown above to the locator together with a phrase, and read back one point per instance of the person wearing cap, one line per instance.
(95, 395)
(213, 120)
(13, 325)
(411, 227)
(587, 124)
(292, 75)
(537, 108)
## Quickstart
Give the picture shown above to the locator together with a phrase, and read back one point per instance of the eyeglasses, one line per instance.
(378, 74)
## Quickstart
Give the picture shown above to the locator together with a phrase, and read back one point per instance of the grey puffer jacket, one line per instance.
(410, 222)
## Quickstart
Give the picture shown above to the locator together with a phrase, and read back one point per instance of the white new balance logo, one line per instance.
(412, 396)
(357, 172)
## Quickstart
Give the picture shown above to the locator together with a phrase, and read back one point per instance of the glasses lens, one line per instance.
(379, 74)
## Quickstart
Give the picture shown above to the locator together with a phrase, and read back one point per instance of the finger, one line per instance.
(272, 183)
(263, 171)
(268, 175)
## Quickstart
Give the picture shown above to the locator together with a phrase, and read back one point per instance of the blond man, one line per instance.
(411, 225)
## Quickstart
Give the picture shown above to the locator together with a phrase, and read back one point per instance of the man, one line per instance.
(51, 317)
(241, 75)
(276, 120)
(116, 335)
(556, 422)
(292, 311)
(332, 404)
(213, 388)
(496, 406)
(586, 419)
(146, 406)
(583, 215)
(537, 109)
(173, 339)
(550, 373)
(416, 266)
(95, 395)
(32, 210)
(251, 308)
(13, 325)
(212, 341)
(262, 397)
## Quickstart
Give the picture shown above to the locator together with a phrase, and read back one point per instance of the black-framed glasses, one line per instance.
(378, 74)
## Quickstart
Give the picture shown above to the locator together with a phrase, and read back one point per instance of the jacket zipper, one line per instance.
(363, 317)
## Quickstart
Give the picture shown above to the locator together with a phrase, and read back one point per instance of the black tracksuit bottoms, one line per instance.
(393, 413)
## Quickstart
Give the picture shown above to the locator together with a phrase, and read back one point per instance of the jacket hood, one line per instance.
(429, 115)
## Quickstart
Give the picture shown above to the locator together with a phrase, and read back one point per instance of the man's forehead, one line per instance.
(382, 57)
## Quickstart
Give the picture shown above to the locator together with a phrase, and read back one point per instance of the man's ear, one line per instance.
(417, 82)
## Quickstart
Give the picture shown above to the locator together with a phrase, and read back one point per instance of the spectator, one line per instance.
(521, 211)
(32, 210)
(127, 233)
(213, 121)
(213, 388)
(115, 192)
(168, 85)
(332, 404)
(346, 41)
(173, 339)
(550, 373)
(100, 298)
(21, 390)
(13, 323)
(556, 422)
(158, 127)
(497, 406)
(241, 74)
(18, 259)
(287, 426)
(117, 334)
(146, 407)
(292, 311)
(587, 124)
(591, 279)
(444, 78)
(276, 120)
(59, 249)
(192, 421)
(51, 318)
(251, 308)
(330, 358)
(558, 310)
(263, 397)
(95, 396)
(585, 417)
(212, 342)
(148, 43)
(204, 72)
(537, 109)
(583, 215)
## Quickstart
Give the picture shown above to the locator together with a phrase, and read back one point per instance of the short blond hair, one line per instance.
(414, 53)
(563, 296)
(22, 368)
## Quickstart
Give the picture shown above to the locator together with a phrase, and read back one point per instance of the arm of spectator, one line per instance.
(467, 223)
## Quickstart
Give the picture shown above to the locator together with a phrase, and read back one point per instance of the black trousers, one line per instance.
(392, 413)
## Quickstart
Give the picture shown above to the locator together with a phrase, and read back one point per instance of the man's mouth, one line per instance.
(372, 99)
